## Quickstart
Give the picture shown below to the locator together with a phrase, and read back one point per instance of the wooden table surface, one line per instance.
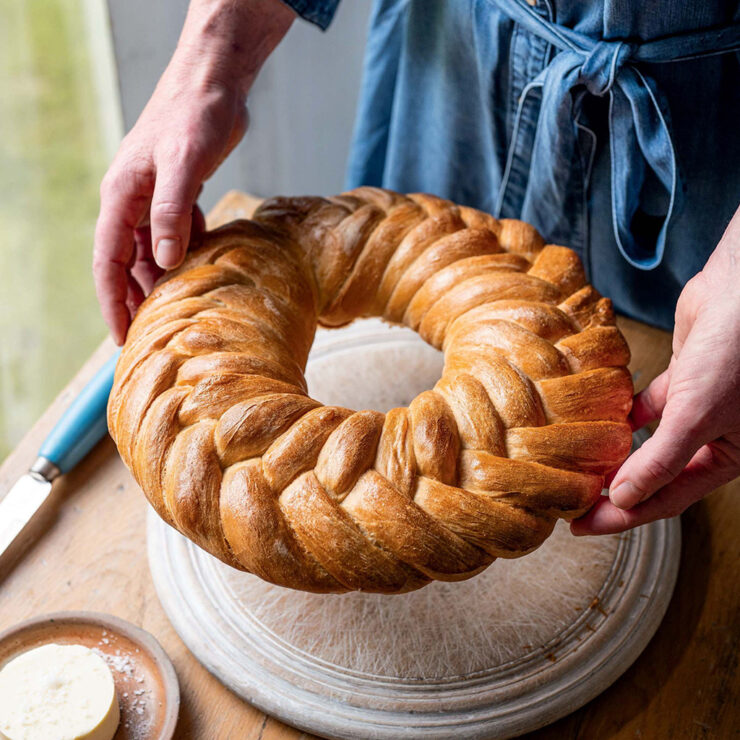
(89, 552)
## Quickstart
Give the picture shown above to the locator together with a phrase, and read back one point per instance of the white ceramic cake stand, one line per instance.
(510, 650)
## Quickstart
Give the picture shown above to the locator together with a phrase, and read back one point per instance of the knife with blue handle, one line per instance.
(81, 427)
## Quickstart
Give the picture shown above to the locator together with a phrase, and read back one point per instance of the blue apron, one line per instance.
(613, 127)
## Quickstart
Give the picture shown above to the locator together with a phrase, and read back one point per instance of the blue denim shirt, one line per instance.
(610, 126)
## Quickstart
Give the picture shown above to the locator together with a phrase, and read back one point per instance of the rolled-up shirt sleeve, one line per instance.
(319, 12)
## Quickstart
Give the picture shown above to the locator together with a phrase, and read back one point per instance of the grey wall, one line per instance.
(301, 107)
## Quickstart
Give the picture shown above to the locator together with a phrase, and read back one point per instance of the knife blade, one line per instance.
(79, 429)
(18, 507)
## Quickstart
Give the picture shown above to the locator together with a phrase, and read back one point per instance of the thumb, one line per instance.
(175, 191)
(661, 458)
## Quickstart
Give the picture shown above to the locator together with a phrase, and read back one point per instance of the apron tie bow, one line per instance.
(639, 134)
(602, 64)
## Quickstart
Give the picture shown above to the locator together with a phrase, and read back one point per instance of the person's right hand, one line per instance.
(195, 117)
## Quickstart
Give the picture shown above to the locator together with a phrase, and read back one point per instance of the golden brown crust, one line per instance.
(209, 407)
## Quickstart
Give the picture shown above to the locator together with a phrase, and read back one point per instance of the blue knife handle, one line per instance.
(83, 424)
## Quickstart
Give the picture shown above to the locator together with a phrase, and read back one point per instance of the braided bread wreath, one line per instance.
(210, 412)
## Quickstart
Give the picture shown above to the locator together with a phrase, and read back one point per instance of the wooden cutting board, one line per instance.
(90, 553)
(513, 649)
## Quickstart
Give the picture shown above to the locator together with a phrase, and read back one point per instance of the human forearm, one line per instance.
(227, 41)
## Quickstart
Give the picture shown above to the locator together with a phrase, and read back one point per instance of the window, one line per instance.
(59, 126)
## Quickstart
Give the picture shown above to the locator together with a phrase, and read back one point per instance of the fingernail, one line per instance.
(168, 253)
(625, 495)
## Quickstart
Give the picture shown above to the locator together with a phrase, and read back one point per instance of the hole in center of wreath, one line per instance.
(371, 365)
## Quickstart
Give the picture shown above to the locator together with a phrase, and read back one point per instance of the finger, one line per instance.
(123, 200)
(710, 468)
(145, 269)
(648, 405)
(604, 518)
(662, 457)
(147, 272)
(172, 204)
(134, 297)
(150, 270)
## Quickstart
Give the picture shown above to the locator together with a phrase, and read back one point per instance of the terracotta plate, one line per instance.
(146, 683)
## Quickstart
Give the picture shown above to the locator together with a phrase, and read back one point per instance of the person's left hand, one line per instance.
(696, 447)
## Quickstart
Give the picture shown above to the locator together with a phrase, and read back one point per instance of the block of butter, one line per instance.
(58, 692)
